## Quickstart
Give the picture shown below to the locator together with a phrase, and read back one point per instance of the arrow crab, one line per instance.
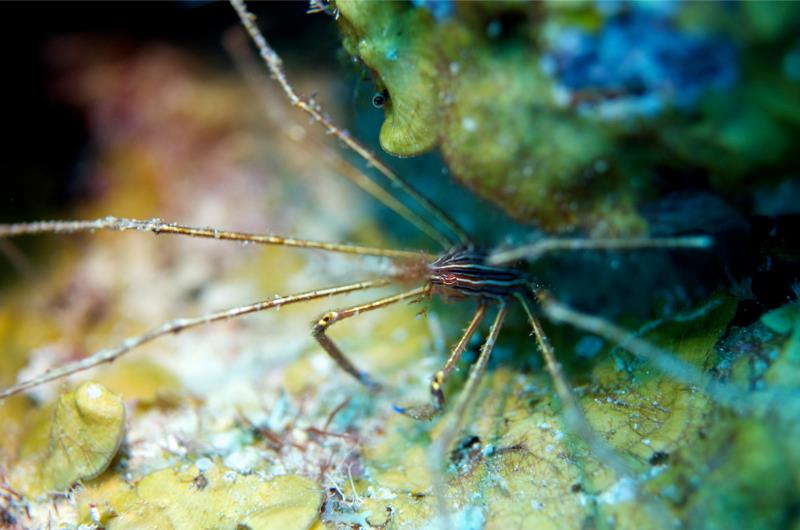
(497, 280)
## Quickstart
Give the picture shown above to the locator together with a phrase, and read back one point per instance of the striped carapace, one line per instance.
(464, 271)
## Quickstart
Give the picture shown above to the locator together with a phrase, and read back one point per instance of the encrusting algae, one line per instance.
(214, 497)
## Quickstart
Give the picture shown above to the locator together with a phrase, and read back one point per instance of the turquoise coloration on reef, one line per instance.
(440, 9)
(639, 63)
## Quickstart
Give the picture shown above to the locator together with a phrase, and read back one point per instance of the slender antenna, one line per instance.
(244, 59)
(536, 250)
(275, 65)
(158, 226)
(177, 325)
(727, 394)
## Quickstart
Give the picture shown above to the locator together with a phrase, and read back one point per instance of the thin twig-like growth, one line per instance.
(275, 65)
(108, 355)
(157, 226)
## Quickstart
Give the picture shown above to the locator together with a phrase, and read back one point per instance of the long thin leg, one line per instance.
(725, 393)
(467, 394)
(573, 415)
(174, 326)
(331, 317)
(599, 448)
(275, 65)
(366, 183)
(244, 58)
(428, 411)
(536, 250)
(441, 447)
(157, 226)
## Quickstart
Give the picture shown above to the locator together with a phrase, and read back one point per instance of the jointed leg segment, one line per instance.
(157, 226)
(331, 317)
(572, 412)
(426, 412)
(443, 445)
(437, 456)
(108, 355)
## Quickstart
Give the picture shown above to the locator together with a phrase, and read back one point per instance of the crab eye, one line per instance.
(380, 99)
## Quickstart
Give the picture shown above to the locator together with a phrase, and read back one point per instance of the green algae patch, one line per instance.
(733, 478)
(491, 111)
(643, 412)
(73, 440)
(518, 99)
(188, 498)
(540, 161)
(739, 470)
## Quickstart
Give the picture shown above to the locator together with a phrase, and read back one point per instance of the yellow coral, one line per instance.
(74, 440)
(187, 498)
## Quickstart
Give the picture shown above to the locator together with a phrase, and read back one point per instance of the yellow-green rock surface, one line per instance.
(217, 498)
